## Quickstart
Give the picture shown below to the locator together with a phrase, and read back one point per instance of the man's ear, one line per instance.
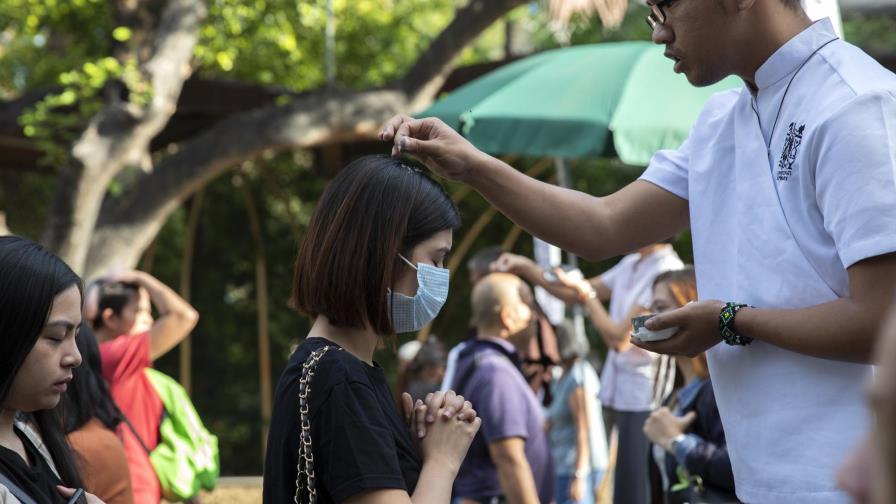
(507, 316)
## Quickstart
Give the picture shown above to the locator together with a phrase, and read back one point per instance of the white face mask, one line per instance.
(412, 313)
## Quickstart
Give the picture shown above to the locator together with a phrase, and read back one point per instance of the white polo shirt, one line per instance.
(627, 377)
(790, 419)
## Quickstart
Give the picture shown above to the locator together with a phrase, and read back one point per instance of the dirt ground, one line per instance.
(234, 490)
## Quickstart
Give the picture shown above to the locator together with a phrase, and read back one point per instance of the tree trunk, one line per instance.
(119, 135)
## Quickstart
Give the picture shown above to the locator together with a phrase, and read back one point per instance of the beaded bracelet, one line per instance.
(726, 325)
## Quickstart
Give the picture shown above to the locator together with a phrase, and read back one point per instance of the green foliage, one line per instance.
(57, 120)
(282, 42)
(41, 39)
(872, 33)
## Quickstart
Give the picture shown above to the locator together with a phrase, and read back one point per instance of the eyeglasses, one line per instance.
(657, 15)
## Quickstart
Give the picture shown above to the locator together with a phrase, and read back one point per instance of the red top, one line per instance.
(124, 359)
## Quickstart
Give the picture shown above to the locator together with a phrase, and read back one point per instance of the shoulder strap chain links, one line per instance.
(305, 469)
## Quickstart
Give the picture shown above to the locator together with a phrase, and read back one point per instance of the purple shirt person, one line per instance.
(509, 456)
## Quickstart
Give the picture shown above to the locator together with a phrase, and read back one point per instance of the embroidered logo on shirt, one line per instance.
(788, 154)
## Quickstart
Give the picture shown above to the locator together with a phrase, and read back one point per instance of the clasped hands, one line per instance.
(445, 404)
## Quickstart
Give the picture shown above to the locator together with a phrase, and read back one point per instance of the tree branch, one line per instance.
(426, 76)
(128, 223)
(119, 135)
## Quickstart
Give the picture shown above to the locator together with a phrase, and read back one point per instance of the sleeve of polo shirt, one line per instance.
(357, 450)
(855, 176)
(669, 169)
(609, 277)
(499, 403)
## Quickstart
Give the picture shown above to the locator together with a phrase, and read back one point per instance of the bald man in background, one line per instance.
(509, 460)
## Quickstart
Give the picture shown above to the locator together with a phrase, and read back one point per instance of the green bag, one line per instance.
(186, 459)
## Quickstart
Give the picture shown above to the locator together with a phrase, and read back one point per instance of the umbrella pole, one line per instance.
(565, 180)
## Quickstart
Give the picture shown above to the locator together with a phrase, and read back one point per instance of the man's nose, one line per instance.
(662, 34)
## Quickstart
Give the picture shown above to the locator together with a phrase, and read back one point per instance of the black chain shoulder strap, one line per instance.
(305, 470)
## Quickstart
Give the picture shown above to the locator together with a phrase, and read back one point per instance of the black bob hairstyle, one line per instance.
(374, 209)
(30, 278)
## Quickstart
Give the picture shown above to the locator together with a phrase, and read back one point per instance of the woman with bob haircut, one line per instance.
(40, 313)
(371, 265)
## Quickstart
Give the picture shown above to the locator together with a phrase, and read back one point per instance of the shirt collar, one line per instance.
(688, 394)
(660, 252)
(793, 53)
(503, 343)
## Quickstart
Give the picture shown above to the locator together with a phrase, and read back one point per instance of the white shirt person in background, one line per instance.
(628, 374)
(788, 187)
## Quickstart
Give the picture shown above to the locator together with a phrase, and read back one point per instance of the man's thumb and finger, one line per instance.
(421, 148)
(664, 320)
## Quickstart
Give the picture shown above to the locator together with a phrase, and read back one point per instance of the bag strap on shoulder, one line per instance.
(14, 489)
(307, 486)
(131, 428)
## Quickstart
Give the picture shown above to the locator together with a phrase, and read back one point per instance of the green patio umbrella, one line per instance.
(565, 103)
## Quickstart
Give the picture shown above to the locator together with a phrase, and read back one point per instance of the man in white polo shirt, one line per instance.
(789, 187)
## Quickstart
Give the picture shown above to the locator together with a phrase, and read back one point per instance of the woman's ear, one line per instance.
(109, 317)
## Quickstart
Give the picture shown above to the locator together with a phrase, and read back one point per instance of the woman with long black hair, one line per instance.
(40, 313)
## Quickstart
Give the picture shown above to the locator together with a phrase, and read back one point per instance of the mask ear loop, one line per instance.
(403, 258)
(391, 295)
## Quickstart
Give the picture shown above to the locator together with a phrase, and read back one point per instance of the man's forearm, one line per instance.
(593, 228)
(517, 481)
(839, 330)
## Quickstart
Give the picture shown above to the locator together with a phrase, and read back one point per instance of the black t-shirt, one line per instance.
(37, 480)
(359, 439)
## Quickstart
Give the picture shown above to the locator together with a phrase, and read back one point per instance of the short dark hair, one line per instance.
(114, 295)
(32, 277)
(479, 264)
(374, 209)
(571, 344)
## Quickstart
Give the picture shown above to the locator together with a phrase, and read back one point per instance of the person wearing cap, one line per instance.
(787, 185)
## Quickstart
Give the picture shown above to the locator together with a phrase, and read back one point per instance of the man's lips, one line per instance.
(672, 56)
(676, 58)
